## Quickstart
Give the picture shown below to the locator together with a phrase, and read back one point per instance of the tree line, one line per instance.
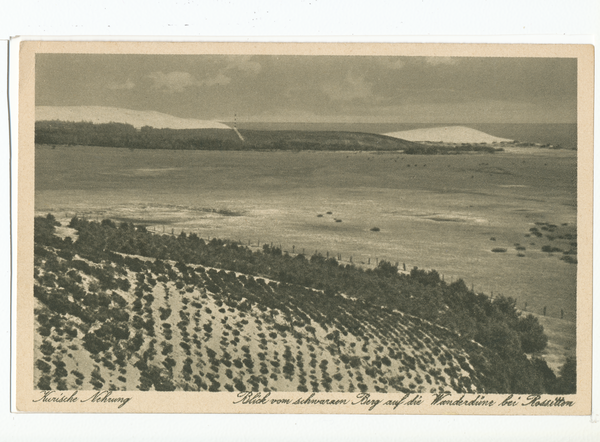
(127, 136)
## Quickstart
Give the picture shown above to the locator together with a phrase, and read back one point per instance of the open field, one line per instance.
(432, 211)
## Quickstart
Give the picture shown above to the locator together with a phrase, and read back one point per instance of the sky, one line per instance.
(340, 89)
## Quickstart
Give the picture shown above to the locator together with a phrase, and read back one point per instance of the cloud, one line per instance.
(351, 88)
(173, 81)
(220, 79)
(179, 81)
(244, 64)
(121, 86)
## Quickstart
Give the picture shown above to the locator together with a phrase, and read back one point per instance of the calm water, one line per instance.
(433, 211)
(563, 134)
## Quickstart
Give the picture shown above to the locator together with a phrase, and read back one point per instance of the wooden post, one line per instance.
(369, 261)
(562, 313)
(293, 249)
(544, 310)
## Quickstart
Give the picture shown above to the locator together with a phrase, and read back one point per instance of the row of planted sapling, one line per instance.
(143, 321)
(154, 323)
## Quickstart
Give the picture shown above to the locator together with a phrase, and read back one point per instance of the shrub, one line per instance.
(531, 334)
(47, 348)
(550, 249)
(43, 366)
(44, 383)
(567, 380)
(93, 344)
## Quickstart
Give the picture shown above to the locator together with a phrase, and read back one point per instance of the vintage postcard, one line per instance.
(304, 228)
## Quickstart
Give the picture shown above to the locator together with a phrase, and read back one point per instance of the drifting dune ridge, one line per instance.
(448, 134)
(137, 118)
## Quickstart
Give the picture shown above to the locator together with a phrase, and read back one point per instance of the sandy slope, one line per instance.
(449, 134)
(205, 341)
(138, 119)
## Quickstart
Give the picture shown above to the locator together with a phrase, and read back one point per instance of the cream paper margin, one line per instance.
(27, 399)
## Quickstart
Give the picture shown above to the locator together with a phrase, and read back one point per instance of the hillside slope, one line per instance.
(137, 118)
(214, 330)
(449, 134)
(323, 140)
(188, 315)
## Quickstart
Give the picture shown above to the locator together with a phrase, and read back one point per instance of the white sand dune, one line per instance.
(137, 118)
(449, 134)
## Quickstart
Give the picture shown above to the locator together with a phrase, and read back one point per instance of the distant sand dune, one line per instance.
(449, 134)
(138, 119)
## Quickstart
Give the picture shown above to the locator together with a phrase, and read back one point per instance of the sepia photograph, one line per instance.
(298, 229)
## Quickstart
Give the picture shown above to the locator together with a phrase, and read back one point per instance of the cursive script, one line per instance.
(103, 397)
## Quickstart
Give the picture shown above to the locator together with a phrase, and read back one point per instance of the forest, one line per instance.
(503, 344)
(127, 136)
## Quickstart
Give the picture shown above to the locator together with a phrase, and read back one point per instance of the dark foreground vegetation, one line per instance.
(494, 346)
(125, 135)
